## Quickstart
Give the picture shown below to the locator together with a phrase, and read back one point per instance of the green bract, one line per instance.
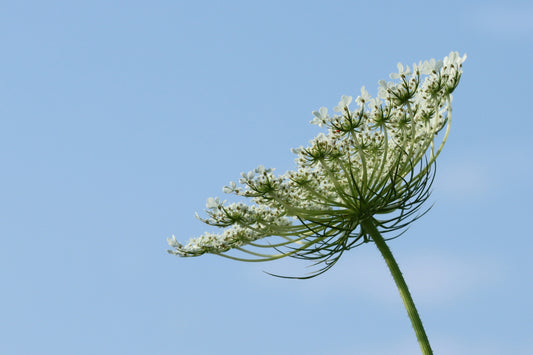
(371, 171)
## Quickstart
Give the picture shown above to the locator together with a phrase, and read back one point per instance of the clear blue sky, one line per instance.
(118, 119)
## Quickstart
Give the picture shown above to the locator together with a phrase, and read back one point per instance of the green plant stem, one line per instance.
(369, 226)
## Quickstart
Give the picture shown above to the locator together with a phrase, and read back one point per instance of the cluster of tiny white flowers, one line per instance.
(363, 147)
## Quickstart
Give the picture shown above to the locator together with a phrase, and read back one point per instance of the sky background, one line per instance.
(118, 119)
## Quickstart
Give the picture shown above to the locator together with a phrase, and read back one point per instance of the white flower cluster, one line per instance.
(375, 159)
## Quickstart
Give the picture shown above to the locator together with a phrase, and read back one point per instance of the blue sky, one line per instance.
(119, 119)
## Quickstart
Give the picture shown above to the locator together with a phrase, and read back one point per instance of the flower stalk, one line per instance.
(416, 322)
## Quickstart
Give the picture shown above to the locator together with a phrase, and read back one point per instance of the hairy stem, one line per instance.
(369, 227)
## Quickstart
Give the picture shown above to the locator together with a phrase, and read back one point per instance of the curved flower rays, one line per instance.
(372, 169)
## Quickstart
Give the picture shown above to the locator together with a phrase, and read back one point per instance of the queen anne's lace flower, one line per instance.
(402, 72)
(343, 103)
(321, 116)
(375, 163)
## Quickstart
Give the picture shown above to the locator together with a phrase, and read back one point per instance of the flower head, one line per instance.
(375, 163)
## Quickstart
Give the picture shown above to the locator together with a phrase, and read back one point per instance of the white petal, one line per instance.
(227, 190)
(346, 100)
(173, 242)
(400, 67)
(212, 202)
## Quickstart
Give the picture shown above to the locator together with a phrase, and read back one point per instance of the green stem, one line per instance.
(369, 227)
